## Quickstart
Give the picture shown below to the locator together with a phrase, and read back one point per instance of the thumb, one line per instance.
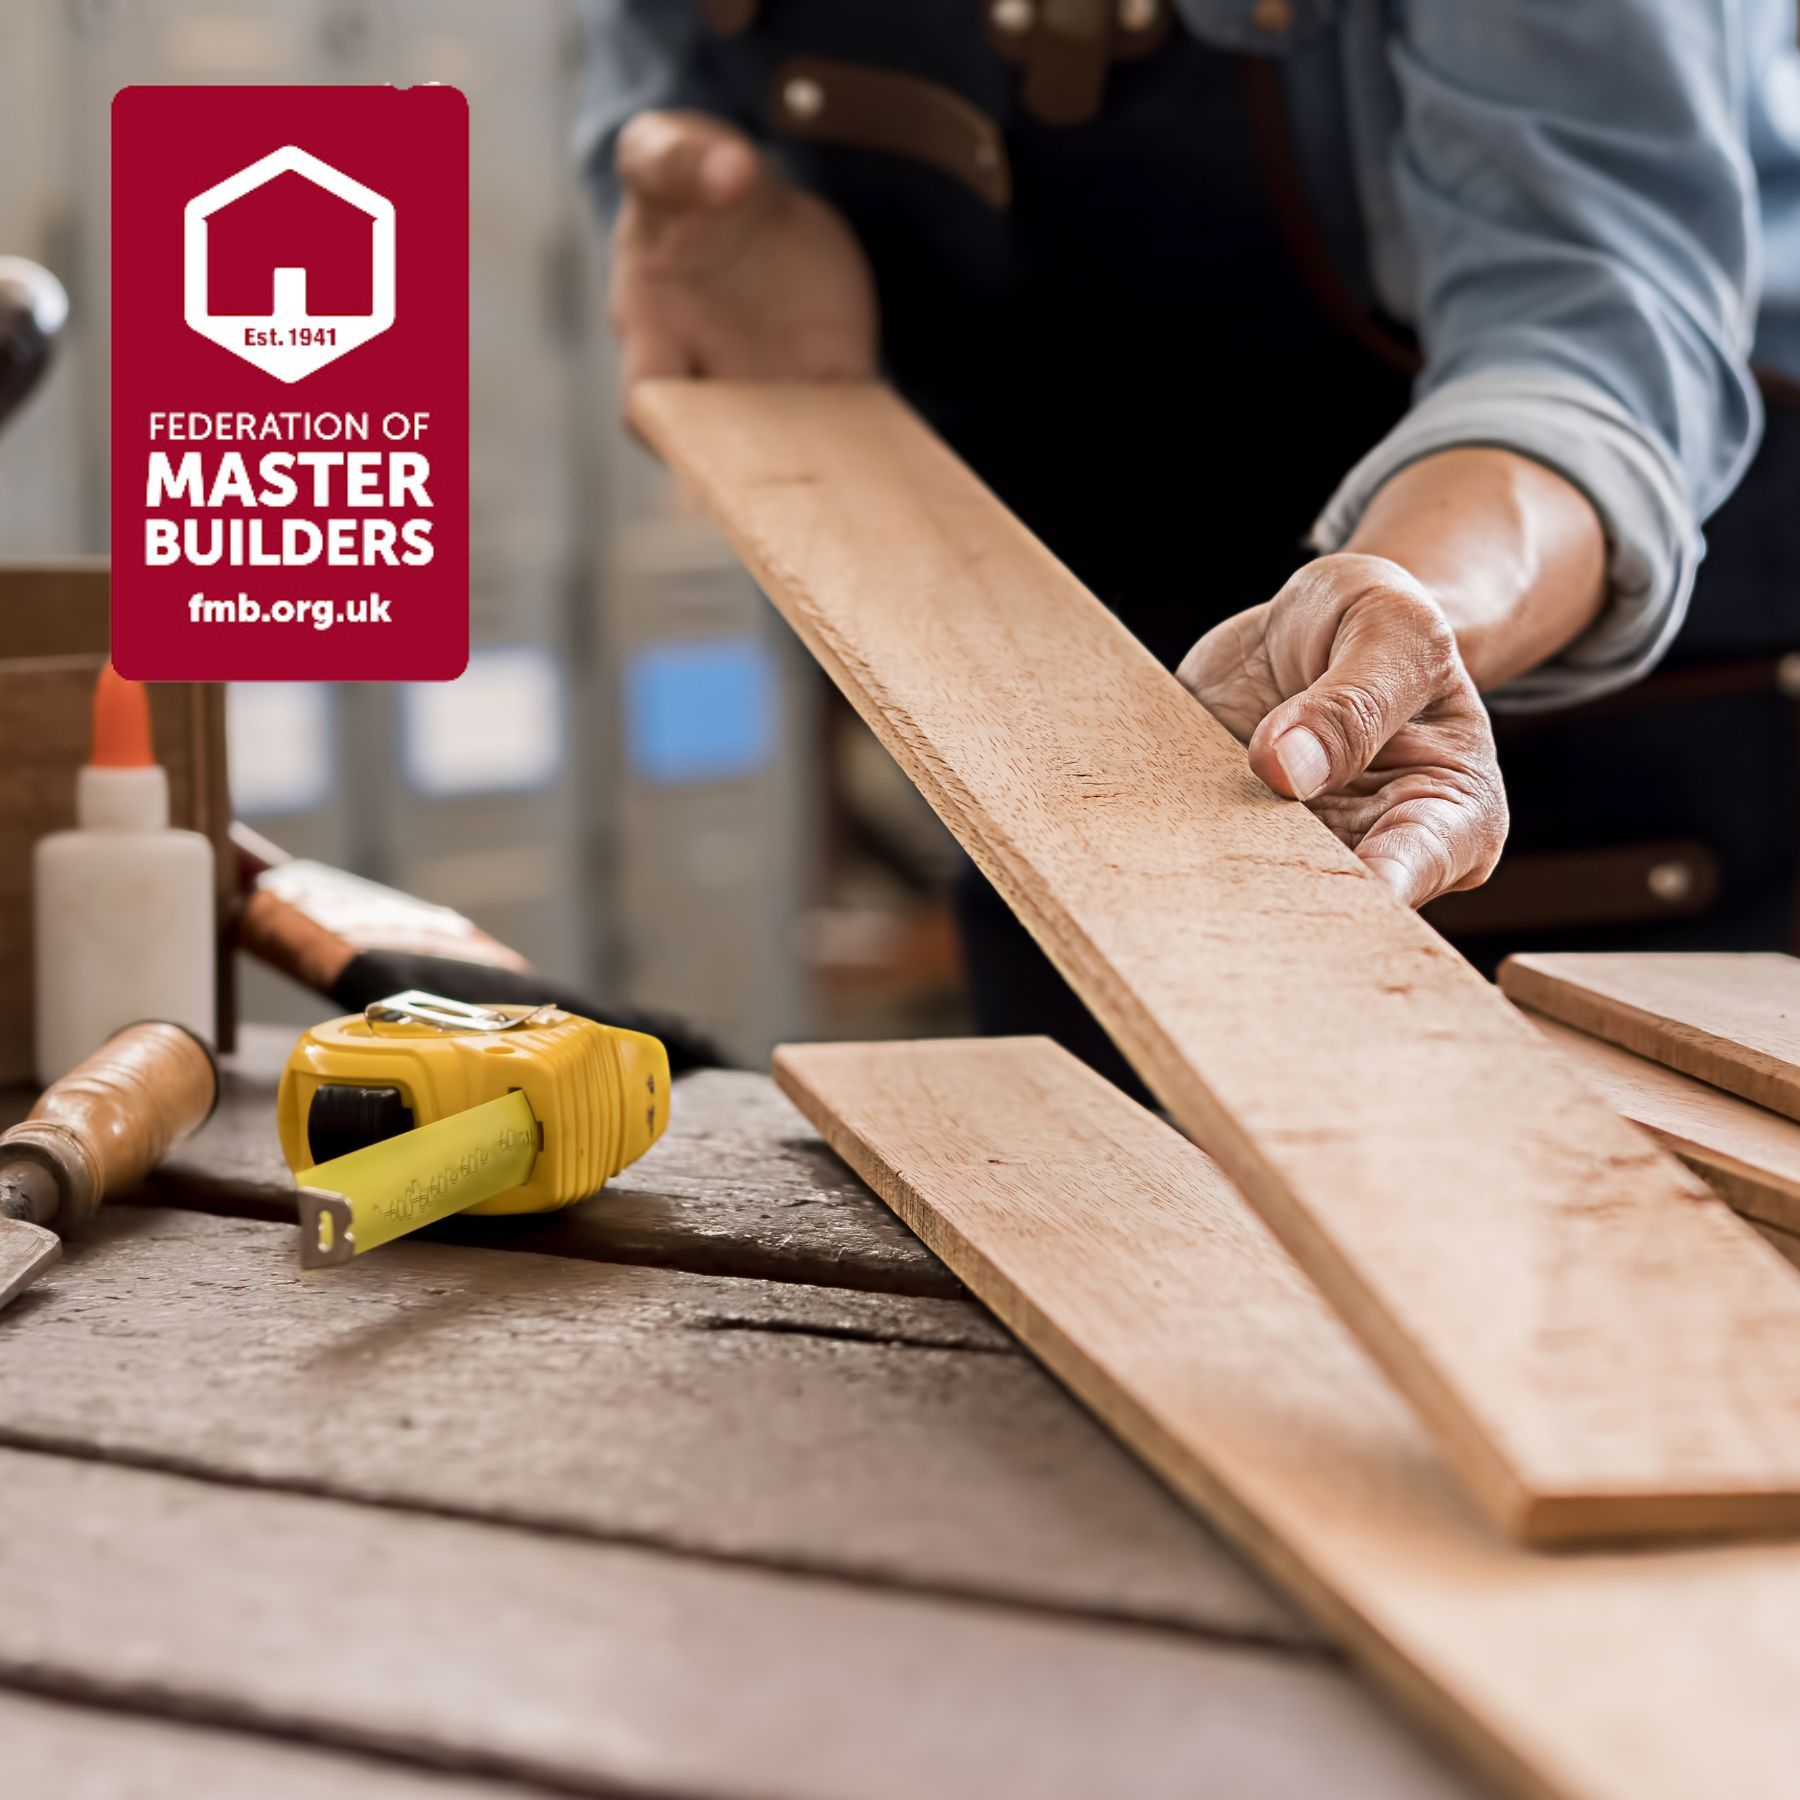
(1392, 654)
(681, 162)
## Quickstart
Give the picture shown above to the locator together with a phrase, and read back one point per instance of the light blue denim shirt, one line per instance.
(1569, 200)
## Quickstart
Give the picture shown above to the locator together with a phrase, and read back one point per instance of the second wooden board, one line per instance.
(1601, 1347)
(1119, 1253)
(1732, 1020)
(1748, 1156)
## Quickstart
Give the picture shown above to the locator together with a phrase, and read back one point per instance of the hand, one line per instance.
(723, 267)
(1352, 695)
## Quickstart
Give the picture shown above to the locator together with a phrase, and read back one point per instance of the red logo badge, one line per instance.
(290, 384)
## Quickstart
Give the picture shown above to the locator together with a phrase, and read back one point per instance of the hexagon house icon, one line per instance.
(265, 245)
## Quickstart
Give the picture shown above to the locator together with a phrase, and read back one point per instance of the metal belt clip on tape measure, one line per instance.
(420, 1107)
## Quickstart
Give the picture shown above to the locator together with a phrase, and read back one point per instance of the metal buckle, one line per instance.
(416, 1007)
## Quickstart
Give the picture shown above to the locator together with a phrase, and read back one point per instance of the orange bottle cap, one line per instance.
(121, 723)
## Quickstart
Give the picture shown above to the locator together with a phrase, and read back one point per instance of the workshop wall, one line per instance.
(617, 786)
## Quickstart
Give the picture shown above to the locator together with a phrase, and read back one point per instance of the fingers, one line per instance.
(648, 353)
(686, 162)
(685, 179)
(1228, 672)
(1350, 692)
(1362, 652)
(1435, 844)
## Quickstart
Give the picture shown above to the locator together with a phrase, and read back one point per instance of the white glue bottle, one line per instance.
(123, 904)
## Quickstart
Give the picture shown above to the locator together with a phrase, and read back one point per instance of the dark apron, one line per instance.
(1098, 282)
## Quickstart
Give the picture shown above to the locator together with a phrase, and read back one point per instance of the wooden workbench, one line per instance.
(718, 1486)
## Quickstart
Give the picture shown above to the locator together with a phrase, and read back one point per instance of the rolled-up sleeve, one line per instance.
(642, 54)
(1582, 220)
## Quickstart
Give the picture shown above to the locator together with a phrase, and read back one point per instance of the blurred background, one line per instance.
(641, 782)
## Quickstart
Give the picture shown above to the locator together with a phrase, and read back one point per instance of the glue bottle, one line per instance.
(123, 904)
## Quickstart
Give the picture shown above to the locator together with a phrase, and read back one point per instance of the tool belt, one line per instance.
(1064, 51)
(1720, 868)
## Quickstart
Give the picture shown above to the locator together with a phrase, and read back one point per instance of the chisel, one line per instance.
(97, 1131)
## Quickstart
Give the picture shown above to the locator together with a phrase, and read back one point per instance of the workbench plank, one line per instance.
(1748, 1156)
(869, 1435)
(1589, 1343)
(607, 1669)
(1120, 1253)
(1731, 1019)
(56, 1751)
(737, 1186)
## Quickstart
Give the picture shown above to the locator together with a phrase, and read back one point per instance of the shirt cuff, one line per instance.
(1653, 540)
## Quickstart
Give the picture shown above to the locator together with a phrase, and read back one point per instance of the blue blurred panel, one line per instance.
(700, 710)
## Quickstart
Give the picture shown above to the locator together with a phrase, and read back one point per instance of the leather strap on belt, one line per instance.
(729, 17)
(1572, 890)
(858, 108)
(1067, 46)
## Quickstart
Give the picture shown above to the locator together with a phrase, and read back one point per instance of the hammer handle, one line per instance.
(113, 1118)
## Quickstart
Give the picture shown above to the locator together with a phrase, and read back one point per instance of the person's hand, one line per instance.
(721, 266)
(1350, 692)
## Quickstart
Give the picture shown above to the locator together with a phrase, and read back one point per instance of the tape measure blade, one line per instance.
(422, 1176)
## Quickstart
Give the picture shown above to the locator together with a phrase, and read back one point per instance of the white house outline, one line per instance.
(288, 362)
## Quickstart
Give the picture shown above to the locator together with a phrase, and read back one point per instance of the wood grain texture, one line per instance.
(884, 1438)
(50, 1750)
(1748, 1156)
(1122, 1256)
(1732, 1020)
(738, 1185)
(1600, 1347)
(601, 1669)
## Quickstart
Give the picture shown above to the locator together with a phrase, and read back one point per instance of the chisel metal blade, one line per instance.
(26, 1251)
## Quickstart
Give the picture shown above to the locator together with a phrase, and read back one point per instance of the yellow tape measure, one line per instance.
(421, 1107)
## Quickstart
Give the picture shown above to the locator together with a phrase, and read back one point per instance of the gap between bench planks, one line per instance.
(602, 1669)
(872, 1437)
(89, 1752)
(1600, 1348)
(1732, 1020)
(1123, 1257)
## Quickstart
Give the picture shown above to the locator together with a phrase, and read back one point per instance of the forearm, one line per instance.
(1513, 552)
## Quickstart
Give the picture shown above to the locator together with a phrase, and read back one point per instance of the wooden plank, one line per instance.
(1787, 1242)
(1585, 1341)
(739, 1185)
(1729, 1019)
(874, 1436)
(85, 1753)
(1748, 1156)
(1123, 1257)
(605, 1669)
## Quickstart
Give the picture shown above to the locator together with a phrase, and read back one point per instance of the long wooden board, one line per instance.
(1119, 1252)
(612, 1670)
(1748, 1156)
(870, 1436)
(1728, 1019)
(1601, 1348)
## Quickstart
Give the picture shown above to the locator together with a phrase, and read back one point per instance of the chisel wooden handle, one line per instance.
(113, 1118)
